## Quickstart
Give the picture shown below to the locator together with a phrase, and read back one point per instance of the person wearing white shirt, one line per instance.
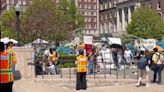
(128, 56)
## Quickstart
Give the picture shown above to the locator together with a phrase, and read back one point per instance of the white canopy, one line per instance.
(39, 41)
(6, 40)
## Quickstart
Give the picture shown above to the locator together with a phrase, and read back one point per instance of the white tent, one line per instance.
(39, 41)
(6, 40)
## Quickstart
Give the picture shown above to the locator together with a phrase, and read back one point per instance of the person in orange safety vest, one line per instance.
(81, 64)
(6, 73)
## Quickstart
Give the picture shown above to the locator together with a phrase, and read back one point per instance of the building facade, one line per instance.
(89, 9)
(107, 16)
(116, 14)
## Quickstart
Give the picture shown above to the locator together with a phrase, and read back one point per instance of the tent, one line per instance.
(37, 41)
(7, 39)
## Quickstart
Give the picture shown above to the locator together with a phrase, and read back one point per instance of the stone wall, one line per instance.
(24, 56)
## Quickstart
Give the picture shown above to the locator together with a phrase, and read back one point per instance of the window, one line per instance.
(106, 17)
(79, 0)
(89, 25)
(94, 1)
(11, 2)
(95, 26)
(86, 19)
(19, 2)
(89, 19)
(80, 6)
(85, 6)
(24, 2)
(89, 13)
(7, 1)
(95, 20)
(158, 5)
(89, 6)
(85, 25)
(89, 0)
(94, 7)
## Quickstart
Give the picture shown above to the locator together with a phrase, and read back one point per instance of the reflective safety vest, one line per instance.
(81, 64)
(12, 55)
(6, 73)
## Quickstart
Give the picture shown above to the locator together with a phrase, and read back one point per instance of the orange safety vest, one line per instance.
(6, 74)
(81, 64)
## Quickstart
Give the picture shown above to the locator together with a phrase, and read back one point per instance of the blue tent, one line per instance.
(161, 44)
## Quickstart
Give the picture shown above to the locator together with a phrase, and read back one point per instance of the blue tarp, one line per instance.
(161, 44)
(65, 50)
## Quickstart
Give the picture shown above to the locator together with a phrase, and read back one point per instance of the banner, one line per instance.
(148, 44)
(88, 39)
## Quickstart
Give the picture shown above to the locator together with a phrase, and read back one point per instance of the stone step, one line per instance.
(71, 83)
(97, 76)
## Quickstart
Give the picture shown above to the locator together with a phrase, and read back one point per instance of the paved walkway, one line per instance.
(28, 85)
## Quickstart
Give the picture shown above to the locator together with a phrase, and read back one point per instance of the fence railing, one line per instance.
(106, 69)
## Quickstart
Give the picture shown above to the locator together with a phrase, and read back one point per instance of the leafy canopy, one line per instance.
(146, 24)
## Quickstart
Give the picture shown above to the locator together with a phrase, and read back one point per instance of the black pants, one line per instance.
(6, 87)
(81, 81)
(157, 70)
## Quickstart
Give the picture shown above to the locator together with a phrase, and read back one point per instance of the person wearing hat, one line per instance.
(158, 62)
(81, 64)
(6, 73)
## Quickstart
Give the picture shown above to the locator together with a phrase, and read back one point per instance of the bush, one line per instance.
(66, 65)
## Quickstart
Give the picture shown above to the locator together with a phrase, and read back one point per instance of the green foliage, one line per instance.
(7, 20)
(66, 65)
(146, 24)
(43, 19)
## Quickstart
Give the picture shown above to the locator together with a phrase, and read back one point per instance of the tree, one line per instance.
(41, 19)
(146, 24)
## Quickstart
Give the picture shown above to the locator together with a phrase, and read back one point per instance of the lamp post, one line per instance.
(17, 11)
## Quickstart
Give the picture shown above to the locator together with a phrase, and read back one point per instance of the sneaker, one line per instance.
(147, 85)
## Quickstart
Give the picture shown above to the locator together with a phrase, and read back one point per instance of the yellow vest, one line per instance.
(81, 64)
(12, 55)
(53, 57)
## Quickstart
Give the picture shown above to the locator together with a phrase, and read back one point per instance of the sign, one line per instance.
(148, 44)
(88, 39)
(114, 40)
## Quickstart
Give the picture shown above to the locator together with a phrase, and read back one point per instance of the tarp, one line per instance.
(39, 41)
(7, 39)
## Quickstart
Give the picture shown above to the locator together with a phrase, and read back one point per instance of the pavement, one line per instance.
(28, 85)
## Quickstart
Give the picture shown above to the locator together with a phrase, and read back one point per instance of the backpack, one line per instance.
(142, 63)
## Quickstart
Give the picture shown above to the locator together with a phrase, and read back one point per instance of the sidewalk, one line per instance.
(28, 85)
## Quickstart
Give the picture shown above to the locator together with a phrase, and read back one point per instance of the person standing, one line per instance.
(81, 64)
(6, 72)
(157, 61)
(11, 53)
(128, 56)
(91, 63)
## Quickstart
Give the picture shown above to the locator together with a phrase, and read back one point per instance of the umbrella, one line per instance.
(116, 46)
(6, 40)
(37, 41)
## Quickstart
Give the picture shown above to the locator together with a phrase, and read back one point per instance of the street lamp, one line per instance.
(17, 11)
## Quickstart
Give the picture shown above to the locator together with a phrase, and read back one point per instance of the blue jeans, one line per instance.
(13, 68)
(90, 67)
